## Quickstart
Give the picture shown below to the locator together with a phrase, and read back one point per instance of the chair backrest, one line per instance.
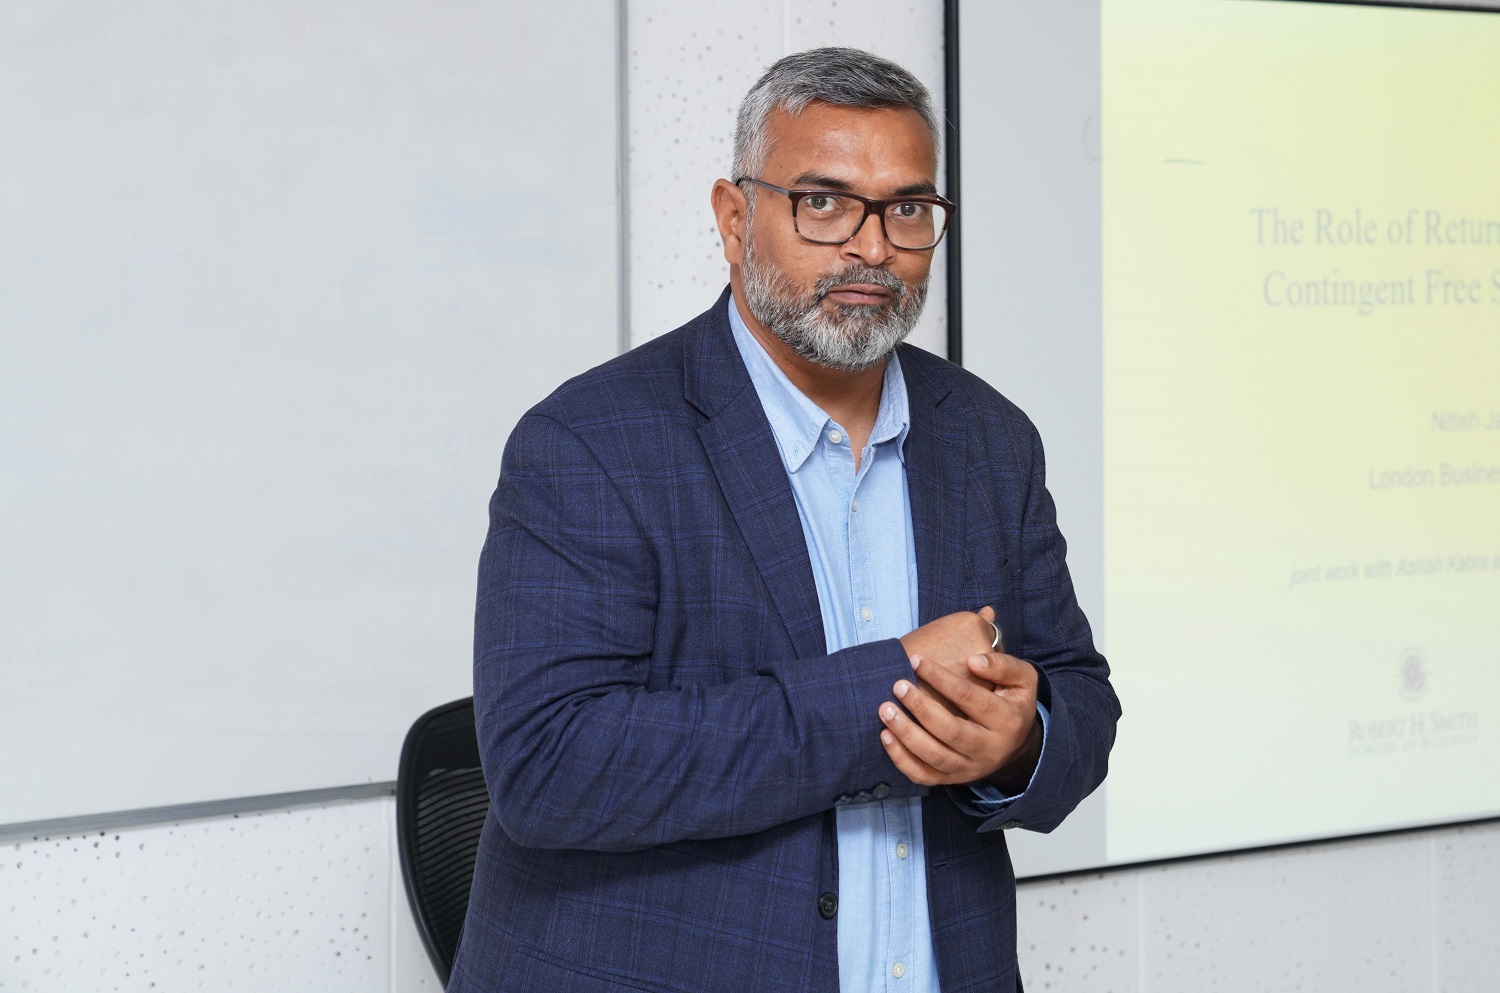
(441, 801)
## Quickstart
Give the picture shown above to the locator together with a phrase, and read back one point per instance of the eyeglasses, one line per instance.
(829, 217)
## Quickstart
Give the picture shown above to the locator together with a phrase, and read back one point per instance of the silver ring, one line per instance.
(995, 642)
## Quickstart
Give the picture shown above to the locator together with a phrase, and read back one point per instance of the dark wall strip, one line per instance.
(950, 139)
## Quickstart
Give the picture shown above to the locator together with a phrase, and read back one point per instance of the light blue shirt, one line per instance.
(859, 540)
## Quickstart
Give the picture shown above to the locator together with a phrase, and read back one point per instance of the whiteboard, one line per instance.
(276, 280)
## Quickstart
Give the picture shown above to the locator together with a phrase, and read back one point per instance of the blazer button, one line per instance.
(881, 791)
(828, 905)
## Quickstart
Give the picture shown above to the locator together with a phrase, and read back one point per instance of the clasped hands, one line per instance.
(969, 715)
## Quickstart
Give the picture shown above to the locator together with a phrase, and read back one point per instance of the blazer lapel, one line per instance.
(742, 451)
(935, 481)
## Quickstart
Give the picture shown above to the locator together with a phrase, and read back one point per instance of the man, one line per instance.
(742, 725)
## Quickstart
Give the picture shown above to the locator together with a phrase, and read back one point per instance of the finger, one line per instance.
(916, 661)
(921, 743)
(972, 700)
(995, 639)
(908, 764)
(936, 764)
(979, 667)
(995, 712)
(938, 717)
(1005, 671)
(958, 667)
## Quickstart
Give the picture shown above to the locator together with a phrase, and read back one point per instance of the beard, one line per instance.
(855, 337)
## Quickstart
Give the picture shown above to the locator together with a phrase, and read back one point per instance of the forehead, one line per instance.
(871, 148)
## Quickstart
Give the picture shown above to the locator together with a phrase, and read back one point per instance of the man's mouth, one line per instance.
(860, 294)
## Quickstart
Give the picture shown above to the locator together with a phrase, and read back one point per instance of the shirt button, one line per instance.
(866, 613)
(901, 851)
(898, 970)
(854, 505)
(835, 437)
(828, 905)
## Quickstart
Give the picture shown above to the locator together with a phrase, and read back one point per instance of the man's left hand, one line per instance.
(955, 731)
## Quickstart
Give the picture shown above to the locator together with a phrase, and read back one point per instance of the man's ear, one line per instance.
(730, 206)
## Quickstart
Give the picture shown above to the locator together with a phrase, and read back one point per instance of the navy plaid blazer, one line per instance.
(664, 733)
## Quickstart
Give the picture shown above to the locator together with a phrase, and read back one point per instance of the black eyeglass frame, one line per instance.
(876, 207)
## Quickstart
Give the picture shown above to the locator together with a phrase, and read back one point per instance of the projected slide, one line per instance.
(1301, 377)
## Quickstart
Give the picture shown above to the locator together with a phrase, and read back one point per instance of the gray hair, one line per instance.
(846, 77)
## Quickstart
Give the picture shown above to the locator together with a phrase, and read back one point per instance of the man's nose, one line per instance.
(869, 244)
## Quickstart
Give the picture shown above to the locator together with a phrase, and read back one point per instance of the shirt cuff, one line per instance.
(985, 799)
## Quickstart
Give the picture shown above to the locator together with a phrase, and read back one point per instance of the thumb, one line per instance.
(988, 613)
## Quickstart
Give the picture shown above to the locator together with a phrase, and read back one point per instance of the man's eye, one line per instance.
(905, 210)
(820, 202)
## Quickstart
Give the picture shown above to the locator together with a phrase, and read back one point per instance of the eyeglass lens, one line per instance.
(911, 224)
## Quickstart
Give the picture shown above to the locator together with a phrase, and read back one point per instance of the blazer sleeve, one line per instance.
(1073, 682)
(578, 751)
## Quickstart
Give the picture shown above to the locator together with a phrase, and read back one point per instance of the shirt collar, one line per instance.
(797, 422)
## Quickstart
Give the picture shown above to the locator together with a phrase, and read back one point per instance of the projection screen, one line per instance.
(1251, 295)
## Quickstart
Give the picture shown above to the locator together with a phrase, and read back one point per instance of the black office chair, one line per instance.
(441, 801)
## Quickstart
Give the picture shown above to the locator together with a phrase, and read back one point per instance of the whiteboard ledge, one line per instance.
(85, 823)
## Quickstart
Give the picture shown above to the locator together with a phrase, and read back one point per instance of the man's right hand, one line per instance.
(952, 639)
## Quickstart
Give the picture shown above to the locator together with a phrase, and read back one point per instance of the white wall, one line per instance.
(1415, 912)
(310, 898)
(303, 899)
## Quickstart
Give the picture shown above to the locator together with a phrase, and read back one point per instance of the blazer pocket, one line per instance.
(527, 973)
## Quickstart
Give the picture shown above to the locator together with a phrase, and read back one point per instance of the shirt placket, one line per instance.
(901, 871)
(895, 841)
(865, 605)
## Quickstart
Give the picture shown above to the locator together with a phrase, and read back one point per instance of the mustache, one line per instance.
(859, 273)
